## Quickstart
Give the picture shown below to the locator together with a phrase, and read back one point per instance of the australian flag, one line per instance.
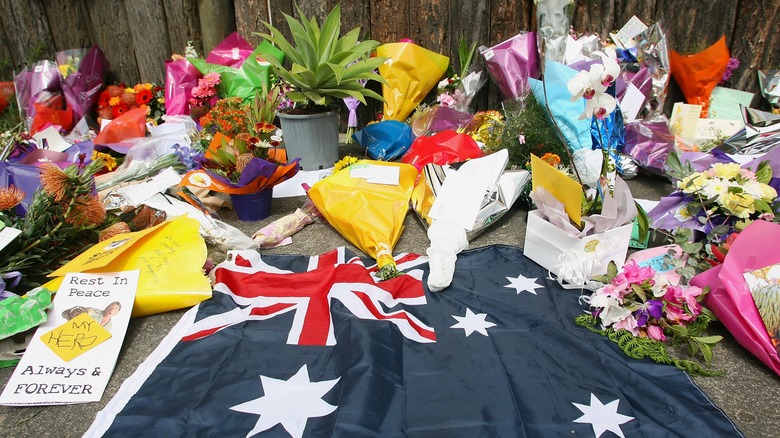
(317, 346)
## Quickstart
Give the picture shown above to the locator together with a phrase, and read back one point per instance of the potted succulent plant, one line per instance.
(324, 67)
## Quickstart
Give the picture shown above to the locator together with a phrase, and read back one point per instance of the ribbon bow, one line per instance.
(576, 267)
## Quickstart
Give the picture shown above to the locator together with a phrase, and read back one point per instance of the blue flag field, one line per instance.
(316, 346)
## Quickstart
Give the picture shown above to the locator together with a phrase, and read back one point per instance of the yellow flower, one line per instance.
(768, 193)
(344, 163)
(66, 69)
(739, 204)
(130, 90)
(692, 183)
(114, 101)
(108, 159)
(726, 170)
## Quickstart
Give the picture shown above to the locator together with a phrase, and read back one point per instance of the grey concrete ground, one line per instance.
(748, 393)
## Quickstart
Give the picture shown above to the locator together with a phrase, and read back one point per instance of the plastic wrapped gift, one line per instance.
(460, 201)
(386, 140)
(245, 79)
(512, 62)
(577, 254)
(367, 203)
(442, 148)
(738, 306)
(82, 86)
(698, 74)
(648, 143)
(411, 73)
(574, 259)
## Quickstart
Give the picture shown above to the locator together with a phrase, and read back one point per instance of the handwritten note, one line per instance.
(72, 355)
(76, 336)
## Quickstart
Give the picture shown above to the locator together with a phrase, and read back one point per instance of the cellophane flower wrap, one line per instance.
(240, 147)
(38, 84)
(83, 73)
(411, 73)
(641, 311)
(720, 199)
(368, 214)
(699, 74)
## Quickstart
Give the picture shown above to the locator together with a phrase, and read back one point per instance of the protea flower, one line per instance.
(10, 197)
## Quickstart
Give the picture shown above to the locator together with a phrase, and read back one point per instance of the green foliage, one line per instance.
(529, 122)
(676, 169)
(47, 240)
(10, 119)
(641, 348)
(389, 271)
(465, 55)
(324, 65)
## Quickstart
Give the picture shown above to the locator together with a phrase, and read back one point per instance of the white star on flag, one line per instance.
(602, 417)
(523, 284)
(473, 322)
(289, 403)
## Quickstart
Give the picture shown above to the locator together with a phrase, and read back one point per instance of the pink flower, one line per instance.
(655, 332)
(688, 295)
(210, 80)
(446, 100)
(636, 274)
(202, 92)
(627, 323)
(677, 314)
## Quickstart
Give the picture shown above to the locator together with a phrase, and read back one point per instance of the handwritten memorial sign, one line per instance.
(72, 355)
(76, 336)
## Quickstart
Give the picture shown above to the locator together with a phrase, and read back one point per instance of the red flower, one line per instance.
(143, 96)
(103, 99)
(119, 109)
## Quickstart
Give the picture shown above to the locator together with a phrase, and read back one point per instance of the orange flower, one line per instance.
(143, 96)
(113, 230)
(265, 127)
(551, 159)
(119, 109)
(88, 211)
(10, 197)
(114, 90)
(53, 180)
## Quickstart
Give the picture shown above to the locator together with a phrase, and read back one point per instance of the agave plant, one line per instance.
(324, 65)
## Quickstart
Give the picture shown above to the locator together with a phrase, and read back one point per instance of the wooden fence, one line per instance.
(137, 36)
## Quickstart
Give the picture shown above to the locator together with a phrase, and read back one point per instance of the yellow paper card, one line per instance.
(565, 189)
(103, 253)
(75, 337)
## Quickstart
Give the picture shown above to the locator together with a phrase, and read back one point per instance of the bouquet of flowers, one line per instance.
(116, 100)
(240, 155)
(63, 219)
(639, 309)
(716, 202)
(205, 91)
(247, 132)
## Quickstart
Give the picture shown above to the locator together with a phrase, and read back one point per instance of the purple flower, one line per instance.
(652, 308)
(730, 67)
